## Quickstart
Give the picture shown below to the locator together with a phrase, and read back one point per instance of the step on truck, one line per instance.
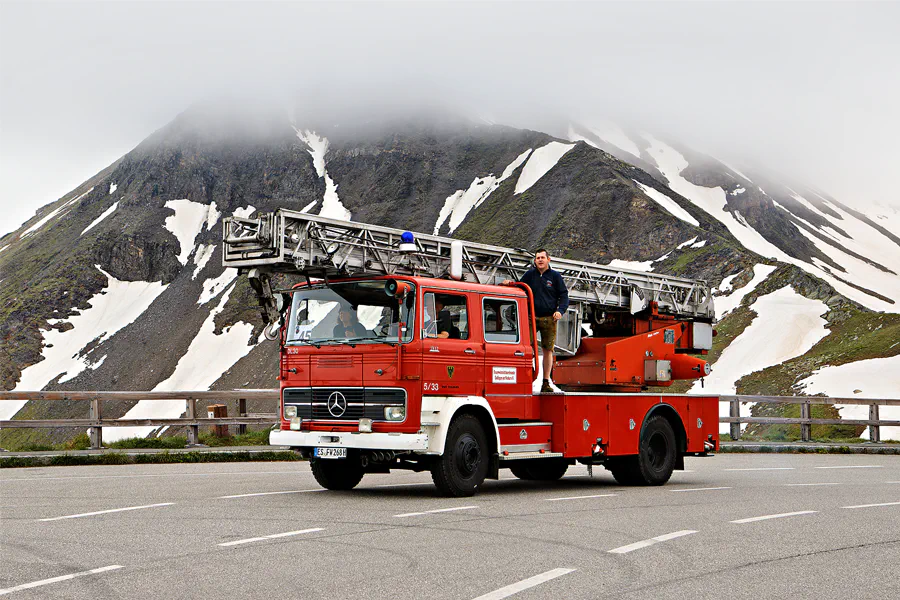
(408, 351)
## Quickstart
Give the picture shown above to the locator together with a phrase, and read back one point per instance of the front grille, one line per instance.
(312, 403)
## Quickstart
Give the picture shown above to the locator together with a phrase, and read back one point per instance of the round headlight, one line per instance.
(290, 412)
(394, 413)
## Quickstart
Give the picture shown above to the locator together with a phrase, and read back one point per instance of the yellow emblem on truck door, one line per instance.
(450, 369)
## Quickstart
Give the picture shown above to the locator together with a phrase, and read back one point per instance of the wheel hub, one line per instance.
(467, 454)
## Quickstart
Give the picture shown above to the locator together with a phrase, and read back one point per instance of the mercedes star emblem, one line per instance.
(337, 404)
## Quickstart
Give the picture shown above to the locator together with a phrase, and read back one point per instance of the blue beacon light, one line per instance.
(407, 242)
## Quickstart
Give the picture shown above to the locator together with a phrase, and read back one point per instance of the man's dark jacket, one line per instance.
(550, 293)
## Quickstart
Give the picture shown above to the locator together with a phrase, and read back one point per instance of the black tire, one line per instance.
(337, 474)
(541, 469)
(464, 464)
(657, 453)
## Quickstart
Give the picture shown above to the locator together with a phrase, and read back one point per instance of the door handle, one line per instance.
(469, 351)
(519, 353)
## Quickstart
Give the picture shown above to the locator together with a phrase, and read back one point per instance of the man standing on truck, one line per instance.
(551, 299)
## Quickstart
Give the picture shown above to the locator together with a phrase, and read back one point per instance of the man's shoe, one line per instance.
(545, 388)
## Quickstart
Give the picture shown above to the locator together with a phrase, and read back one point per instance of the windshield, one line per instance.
(356, 312)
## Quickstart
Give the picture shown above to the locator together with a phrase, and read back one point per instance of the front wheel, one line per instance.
(464, 464)
(336, 474)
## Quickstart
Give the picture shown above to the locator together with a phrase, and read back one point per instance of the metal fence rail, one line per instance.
(95, 423)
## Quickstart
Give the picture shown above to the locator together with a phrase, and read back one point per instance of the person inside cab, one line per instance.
(348, 325)
(443, 326)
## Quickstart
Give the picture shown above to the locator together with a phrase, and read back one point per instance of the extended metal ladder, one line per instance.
(294, 242)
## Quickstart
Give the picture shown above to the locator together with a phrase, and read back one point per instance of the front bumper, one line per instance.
(410, 442)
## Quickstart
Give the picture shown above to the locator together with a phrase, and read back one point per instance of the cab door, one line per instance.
(508, 358)
(452, 352)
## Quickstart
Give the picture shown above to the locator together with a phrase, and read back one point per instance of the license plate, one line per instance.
(330, 452)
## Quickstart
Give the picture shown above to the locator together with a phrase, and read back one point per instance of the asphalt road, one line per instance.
(265, 530)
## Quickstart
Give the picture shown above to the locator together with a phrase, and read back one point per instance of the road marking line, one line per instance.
(650, 542)
(270, 494)
(578, 497)
(515, 588)
(808, 484)
(270, 537)
(104, 512)
(34, 584)
(871, 505)
(763, 469)
(438, 510)
(766, 517)
(853, 467)
(892, 481)
(701, 489)
(390, 485)
(151, 475)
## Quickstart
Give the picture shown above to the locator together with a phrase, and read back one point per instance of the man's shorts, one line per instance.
(546, 326)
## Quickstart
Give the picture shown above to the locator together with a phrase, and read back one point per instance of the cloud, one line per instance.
(806, 88)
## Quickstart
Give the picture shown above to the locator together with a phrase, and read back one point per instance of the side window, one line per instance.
(501, 320)
(445, 317)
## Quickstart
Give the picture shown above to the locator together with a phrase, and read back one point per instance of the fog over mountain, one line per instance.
(805, 90)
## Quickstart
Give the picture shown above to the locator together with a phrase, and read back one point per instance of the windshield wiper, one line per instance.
(376, 340)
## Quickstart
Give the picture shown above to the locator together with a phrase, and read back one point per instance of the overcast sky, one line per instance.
(808, 89)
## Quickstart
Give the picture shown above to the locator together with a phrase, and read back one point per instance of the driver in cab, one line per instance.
(348, 325)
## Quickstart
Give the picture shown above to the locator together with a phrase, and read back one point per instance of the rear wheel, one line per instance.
(543, 469)
(336, 474)
(656, 457)
(464, 464)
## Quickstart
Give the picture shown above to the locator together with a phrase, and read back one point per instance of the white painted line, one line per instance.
(650, 542)
(3, 480)
(578, 497)
(105, 512)
(34, 584)
(515, 588)
(873, 505)
(766, 517)
(431, 512)
(763, 469)
(853, 467)
(683, 471)
(809, 484)
(702, 489)
(270, 537)
(390, 485)
(892, 481)
(270, 494)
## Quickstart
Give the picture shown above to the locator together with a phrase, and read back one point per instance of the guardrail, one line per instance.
(805, 420)
(95, 423)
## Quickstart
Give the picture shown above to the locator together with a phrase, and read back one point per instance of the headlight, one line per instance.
(394, 413)
(290, 412)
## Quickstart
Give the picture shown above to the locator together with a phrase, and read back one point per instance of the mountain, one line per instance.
(119, 284)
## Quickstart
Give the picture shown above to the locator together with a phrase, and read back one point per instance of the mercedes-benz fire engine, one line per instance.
(407, 351)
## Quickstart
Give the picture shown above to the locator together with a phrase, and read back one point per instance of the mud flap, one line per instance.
(679, 462)
(494, 467)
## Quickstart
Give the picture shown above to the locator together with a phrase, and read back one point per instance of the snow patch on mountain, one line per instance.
(53, 213)
(459, 204)
(725, 304)
(667, 203)
(539, 163)
(244, 213)
(105, 214)
(735, 171)
(213, 287)
(331, 203)
(873, 378)
(201, 257)
(208, 356)
(112, 187)
(769, 340)
(187, 223)
(119, 304)
(612, 134)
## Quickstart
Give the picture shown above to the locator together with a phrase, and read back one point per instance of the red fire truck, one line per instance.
(406, 351)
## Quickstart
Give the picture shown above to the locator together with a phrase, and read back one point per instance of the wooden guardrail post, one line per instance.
(193, 431)
(874, 429)
(805, 425)
(242, 412)
(95, 432)
(735, 412)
